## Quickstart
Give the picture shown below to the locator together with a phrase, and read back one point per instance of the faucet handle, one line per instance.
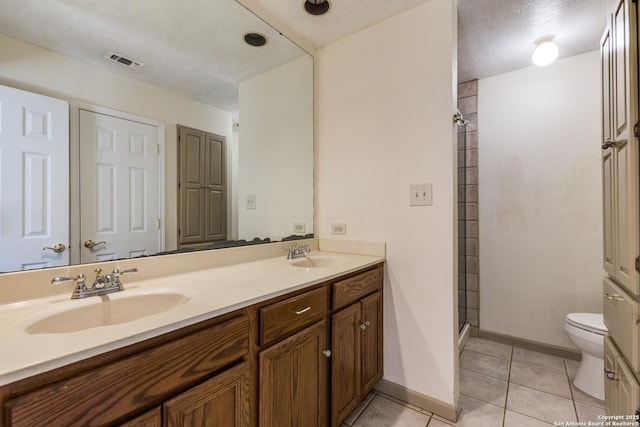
(117, 272)
(80, 279)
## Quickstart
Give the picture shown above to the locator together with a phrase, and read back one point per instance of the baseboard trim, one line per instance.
(551, 349)
(420, 400)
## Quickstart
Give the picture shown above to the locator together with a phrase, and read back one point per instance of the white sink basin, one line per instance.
(318, 261)
(105, 310)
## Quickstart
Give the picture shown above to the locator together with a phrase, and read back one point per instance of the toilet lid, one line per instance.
(592, 322)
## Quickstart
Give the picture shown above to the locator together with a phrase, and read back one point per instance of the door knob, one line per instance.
(608, 144)
(57, 248)
(90, 244)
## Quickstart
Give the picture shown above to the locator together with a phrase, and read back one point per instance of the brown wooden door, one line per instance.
(345, 362)
(222, 401)
(372, 362)
(293, 380)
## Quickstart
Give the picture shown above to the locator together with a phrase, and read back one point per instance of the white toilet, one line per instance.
(587, 331)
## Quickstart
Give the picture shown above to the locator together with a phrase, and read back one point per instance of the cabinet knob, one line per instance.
(364, 325)
(326, 353)
(610, 374)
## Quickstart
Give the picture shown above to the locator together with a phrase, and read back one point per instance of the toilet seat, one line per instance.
(592, 322)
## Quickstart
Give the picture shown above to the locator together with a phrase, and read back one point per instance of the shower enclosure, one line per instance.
(461, 124)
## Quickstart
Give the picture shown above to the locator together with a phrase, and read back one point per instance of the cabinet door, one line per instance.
(222, 401)
(372, 362)
(345, 362)
(621, 390)
(153, 418)
(620, 151)
(293, 380)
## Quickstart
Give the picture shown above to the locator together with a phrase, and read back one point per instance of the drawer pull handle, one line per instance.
(613, 297)
(304, 310)
(610, 374)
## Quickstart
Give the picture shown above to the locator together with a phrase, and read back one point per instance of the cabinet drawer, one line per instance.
(111, 393)
(280, 319)
(620, 318)
(349, 290)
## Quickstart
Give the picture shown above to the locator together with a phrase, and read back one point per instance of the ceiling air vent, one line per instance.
(121, 59)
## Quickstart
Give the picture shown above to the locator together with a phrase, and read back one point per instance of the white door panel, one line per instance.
(119, 191)
(34, 180)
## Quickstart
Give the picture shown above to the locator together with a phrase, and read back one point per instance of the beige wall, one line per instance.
(276, 151)
(540, 198)
(384, 108)
(29, 67)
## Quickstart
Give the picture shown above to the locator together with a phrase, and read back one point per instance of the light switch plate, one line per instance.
(299, 227)
(420, 195)
(251, 201)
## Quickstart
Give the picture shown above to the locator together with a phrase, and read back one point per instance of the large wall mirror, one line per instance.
(205, 71)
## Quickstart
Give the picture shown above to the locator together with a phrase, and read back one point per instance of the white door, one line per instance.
(34, 180)
(119, 188)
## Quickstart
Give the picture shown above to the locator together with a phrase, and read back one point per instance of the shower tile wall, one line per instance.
(468, 205)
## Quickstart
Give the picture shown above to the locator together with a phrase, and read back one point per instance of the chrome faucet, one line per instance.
(102, 284)
(296, 251)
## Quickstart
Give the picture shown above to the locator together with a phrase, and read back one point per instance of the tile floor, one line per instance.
(500, 386)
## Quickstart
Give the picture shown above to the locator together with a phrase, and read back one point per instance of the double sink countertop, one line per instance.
(43, 334)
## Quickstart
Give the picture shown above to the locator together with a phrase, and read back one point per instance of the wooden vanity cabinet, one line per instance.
(356, 341)
(118, 387)
(293, 366)
(302, 359)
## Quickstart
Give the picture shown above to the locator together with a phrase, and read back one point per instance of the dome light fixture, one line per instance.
(254, 39)
(546, 51)
(317, 7)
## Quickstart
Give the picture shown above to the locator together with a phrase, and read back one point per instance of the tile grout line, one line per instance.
(573, 400)
(506, 396)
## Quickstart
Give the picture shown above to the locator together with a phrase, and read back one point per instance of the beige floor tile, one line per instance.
(383, 412)
(540, 379)
(540, 405)
(572, 367)
(483, 387)
(582, 397)
(476, 413)
(514, 419)
(359, 409)
(403, 403)
(485, 364)
(538, 360)
(491, 348)
(435, 422)
(588, 413)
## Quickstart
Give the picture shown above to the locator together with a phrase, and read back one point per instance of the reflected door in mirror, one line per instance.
(34, 180)
(119, 190)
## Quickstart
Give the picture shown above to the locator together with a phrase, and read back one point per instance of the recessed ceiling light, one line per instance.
(255, 39)
(546, 52)
(317, 7)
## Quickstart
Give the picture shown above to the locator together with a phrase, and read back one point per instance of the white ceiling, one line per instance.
(195, 47)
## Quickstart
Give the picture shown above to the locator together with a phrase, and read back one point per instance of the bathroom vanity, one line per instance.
(304, 352)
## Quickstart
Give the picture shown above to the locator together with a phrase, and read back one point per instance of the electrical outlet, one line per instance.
(420, 195)
(299, 227)
(339, 228)
(251, 201)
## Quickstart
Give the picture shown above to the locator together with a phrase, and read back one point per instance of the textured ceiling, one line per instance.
(497, 36)
(195, 47)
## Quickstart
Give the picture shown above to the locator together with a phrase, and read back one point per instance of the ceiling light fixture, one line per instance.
(255, 39)
(317, 7)
(546, 51)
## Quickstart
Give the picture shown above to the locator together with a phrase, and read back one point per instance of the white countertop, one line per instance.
(211, 292)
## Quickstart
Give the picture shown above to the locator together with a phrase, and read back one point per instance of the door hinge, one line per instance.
(158, 223)
(158, 148)
(638, 264)
(636, 129)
